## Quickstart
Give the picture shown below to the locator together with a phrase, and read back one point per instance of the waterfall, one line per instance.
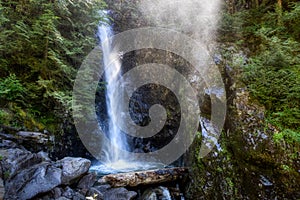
(114, 159)
(112, 64)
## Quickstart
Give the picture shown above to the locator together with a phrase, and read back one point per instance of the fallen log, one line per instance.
(133, 179)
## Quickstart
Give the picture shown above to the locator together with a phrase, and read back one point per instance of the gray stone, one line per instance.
(30, 182)
(69, 193)
(44, 156)
(73, 168)
(120, 194)
(103, 188)
(2, 190)
(149, 195)
(96, 194)
(161, 193)
(14, 160)
(1, 172)
(57, 192)
(87, 181)
(7, 144)
(78, 196)
(34, 136)
(62, 198)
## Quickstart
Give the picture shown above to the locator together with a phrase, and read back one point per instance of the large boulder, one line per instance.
(32, 181)
(73, 168)
(27, 175)
(14, 160)
(86, 182)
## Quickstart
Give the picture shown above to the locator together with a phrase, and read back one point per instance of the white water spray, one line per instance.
(115, 160)
(112, 64)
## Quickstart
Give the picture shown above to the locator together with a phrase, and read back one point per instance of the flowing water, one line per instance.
(115, 160)
(112, 65)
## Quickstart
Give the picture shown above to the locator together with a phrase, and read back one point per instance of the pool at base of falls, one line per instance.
(122, 166)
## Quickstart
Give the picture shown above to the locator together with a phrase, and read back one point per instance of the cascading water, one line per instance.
(112, 64)
(115, 160)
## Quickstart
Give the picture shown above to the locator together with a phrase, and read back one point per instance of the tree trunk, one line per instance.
(279, 12)
(149, 177)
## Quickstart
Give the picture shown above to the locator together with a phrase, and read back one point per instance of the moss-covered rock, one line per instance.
(249, 164)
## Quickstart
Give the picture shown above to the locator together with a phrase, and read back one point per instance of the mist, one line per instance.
(196, 18)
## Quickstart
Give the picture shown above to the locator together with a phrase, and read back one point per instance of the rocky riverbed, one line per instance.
(26, 175)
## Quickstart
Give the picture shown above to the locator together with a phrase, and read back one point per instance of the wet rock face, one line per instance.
(247, 164)
(140, 104)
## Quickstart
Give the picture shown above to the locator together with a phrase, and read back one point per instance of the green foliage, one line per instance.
(291, 20)
(287, 135)
(273, 71)
(11, 89)
(6, 175)
(42, 44)
(5, 117)
(274, 79)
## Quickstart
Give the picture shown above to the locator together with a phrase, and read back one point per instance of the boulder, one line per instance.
(14, 160)
(34, 176)
(73, 168)
(87, 182)
(30, 182)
